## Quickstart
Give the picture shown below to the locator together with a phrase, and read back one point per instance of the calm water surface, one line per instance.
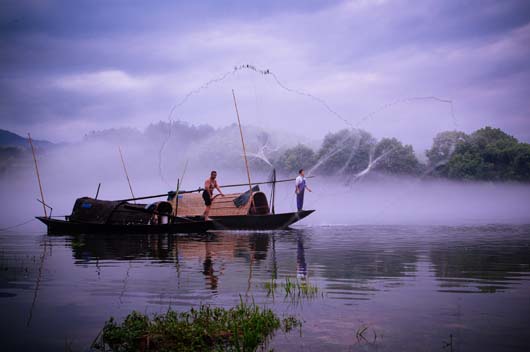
(405, 288)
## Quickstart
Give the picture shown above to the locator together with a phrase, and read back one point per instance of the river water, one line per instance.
(378, 288)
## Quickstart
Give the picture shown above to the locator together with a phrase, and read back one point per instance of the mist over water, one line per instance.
(163, 153)
(74, 171)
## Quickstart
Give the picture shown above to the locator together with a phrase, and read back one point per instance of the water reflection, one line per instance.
(209, 271)
(381, 276)
(492, 266)
(301, 265)
(356, 269)
(212, 249)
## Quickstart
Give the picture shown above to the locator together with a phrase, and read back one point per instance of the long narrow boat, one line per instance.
(99, 216)
(182, 214)
(66, 227)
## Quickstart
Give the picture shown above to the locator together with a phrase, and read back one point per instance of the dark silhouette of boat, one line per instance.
(177, 214)
(100, 216)
(66, 227)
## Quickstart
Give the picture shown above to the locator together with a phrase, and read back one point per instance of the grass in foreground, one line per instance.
(242, 328)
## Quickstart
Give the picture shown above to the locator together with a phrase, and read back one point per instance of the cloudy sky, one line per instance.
(395, 68)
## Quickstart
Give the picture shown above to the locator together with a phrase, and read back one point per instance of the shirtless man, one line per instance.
(207, 194)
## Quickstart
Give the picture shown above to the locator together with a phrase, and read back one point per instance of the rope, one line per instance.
(267, 72)
(180, 103)
(406, 100)
(17, 225)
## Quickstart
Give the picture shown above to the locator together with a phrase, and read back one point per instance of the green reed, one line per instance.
(245, 327)
(293, 289)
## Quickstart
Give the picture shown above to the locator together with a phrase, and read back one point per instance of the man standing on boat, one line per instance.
(301, 185)
(209, 185)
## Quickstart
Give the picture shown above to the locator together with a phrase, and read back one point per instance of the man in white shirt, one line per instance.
(300, 184)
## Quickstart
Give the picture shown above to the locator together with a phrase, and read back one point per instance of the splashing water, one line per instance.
(371, 164)
(355, 147)
(340, 146)
(260, 154)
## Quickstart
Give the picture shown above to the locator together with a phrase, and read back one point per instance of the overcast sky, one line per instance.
(70, 67)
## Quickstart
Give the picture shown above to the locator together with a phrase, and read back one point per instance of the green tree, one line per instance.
(296, 158)
(443, 147)
(346, 151)
(521, 162)
(395, 158)
(490, 154)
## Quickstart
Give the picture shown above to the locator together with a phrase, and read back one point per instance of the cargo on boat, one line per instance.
(237, 211)
(101, 216)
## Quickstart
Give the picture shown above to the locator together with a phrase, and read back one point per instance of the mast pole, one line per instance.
(179, 181)
(38, 176)
(177, 198)
(243, 143)
(126, 174)
(97, 192)
(273, 189)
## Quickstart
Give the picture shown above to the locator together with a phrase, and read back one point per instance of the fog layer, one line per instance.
(75, 171)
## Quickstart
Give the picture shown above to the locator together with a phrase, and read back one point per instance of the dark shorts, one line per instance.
(207, 199)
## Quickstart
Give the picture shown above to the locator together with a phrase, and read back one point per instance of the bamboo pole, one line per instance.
(38, 175)
(177, 198)
(126, 174)
(243, 143)
(273, 189)
(97, 192)
(263, 182)
(179, 182)
(202, 189)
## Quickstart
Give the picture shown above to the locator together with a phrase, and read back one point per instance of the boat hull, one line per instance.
(62, 227)
(259, 222)
(236, 222)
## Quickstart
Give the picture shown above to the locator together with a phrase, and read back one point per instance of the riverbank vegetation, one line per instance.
(245, 327)
(488, 154)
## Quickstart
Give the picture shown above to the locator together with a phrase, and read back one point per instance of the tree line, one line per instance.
(486, 154)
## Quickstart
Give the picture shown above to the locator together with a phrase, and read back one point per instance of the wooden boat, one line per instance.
(65, 227)
(182, 214)
(99, 216)
(236, 211)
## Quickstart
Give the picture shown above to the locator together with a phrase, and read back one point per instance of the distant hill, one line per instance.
(10, 139)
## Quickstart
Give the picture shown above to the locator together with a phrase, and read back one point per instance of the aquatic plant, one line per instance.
(245, 327)
(294, 289)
